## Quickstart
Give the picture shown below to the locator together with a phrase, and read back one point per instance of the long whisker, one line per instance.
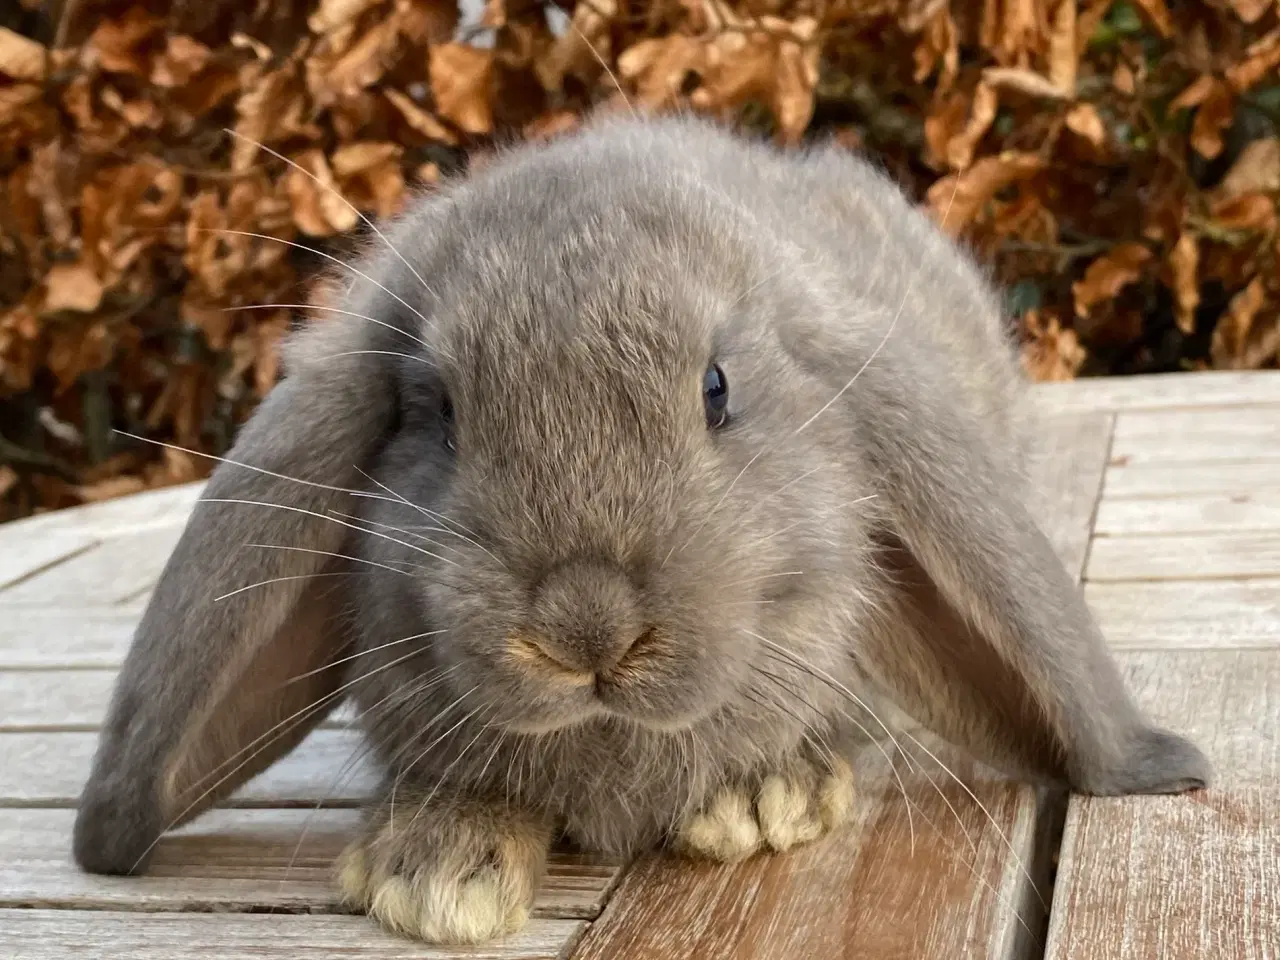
(300, 576)
(321, 516)
(341, 199)
(249, 466)
(327, 256)
(335, 310)
(328, 553)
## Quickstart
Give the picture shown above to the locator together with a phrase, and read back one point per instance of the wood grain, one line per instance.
(1213, 513)
(237, 860)
(57, 934)
(1197, 436)
(1189, 876)
(69, 700)
(1188, 614)
(969, 885)
(1161, 391)
(1235, 555)
(48, 770)
(165, 507)
(1240, 477)
(23, 558)
(34, 637)
(115, 571)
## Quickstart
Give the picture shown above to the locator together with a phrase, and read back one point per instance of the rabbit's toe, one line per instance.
(784, 810)
(725, 829)
(455, 879)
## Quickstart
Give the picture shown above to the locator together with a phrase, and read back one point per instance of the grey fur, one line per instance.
(772, 570)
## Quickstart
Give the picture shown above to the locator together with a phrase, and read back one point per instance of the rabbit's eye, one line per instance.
(446, 422)
(715, 396)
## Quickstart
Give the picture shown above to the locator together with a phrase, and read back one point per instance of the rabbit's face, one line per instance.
(607, 482)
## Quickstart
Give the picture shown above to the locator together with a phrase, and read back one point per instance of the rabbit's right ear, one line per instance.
(220, 682)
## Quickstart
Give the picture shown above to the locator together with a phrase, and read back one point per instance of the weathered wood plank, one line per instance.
(57, 934)
(165, 507)
(968, 884)
(115, 571)
(76, 700)
(1188, 614)
(1161, 391)
(238, 860)
(1215, 513)
(1191, 479)
(33, 637)
(1188, 876)
(1235, 555)
(1197, 436)
(23, 557)
(49, 769)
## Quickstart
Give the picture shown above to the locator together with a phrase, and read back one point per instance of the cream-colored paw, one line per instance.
(725, 829)
(787, 810)
(463, 884)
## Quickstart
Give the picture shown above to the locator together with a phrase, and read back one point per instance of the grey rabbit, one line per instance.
(619, 487)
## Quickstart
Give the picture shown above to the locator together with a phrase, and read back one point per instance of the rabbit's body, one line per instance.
(587, 228)
(593, 592)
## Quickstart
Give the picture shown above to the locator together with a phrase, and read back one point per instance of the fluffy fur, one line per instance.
(571, 607)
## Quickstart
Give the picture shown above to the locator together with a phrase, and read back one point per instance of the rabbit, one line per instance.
(625, 487)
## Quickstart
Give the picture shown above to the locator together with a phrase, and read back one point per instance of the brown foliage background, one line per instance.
(1116, 161)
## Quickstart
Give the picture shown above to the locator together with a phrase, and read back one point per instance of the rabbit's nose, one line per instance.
(586, 617)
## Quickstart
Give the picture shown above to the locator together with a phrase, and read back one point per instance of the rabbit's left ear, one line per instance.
(221, 681)
(1005, 658)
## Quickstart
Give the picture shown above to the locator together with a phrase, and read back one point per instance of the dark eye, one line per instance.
(715, 396)
(446, 421)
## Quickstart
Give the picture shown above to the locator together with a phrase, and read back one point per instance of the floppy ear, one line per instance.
(995, 648)
(204, 698)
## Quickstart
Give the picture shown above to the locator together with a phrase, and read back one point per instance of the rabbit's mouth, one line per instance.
(640, 687)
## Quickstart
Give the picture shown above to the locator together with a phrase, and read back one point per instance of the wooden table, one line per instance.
(1163, 493)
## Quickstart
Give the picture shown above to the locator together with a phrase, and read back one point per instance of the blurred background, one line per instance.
(1115, 162)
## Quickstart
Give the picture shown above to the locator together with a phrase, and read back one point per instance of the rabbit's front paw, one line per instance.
(448, 874)
(778, 811)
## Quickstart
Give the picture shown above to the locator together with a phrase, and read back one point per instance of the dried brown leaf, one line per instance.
(1262, 59)
(123, 45)
(1083, 119)
(1108, 275)
(956, 200)
(1215, 106)
(72, 286)
(21, 58)
(1184, 262)
(1024, 81)
(462, 83)
(332, 16)
(1249, 211)
(1051, 352)
(1062, 47)
(1248, 335)
(1256, 170)
(659, 67)
(182, 60)
(371, 175)
(1158, 15)
(982, 113)
(272, 108)
(1250, 11)
(318, 207)
(418, 118)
